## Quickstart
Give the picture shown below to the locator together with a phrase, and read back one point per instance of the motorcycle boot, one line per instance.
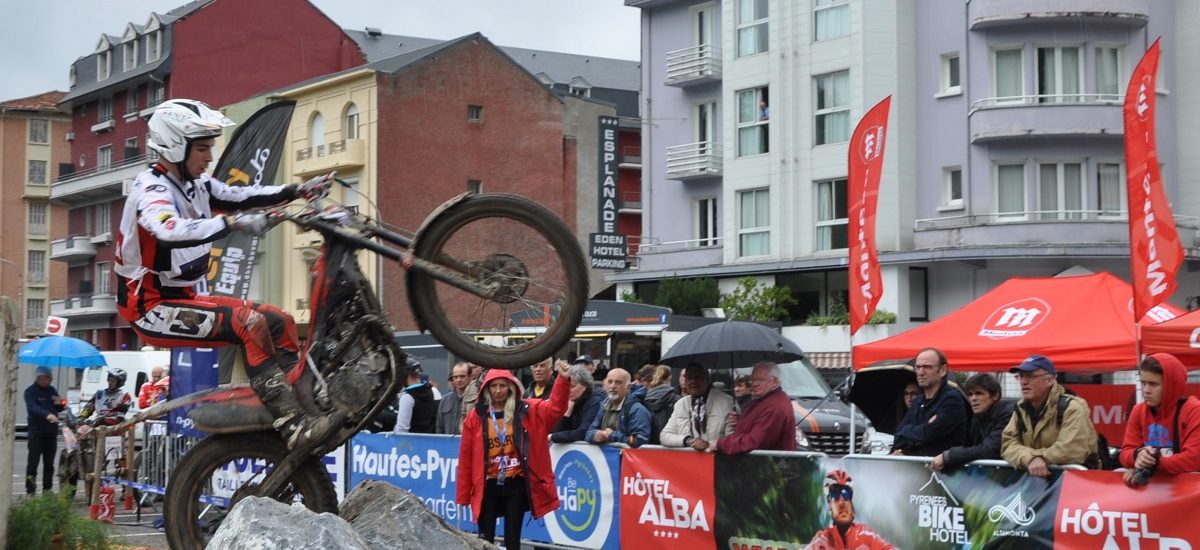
(298, 428)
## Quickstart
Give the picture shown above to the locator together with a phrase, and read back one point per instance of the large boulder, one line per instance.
(387, 517)
(257, 523)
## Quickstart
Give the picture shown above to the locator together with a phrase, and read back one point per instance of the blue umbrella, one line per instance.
(61, 351)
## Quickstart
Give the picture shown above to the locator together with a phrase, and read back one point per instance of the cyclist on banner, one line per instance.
(109, 405)
(166, 234)
(844, 533)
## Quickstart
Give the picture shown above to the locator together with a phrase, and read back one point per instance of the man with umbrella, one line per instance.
(42, 402)
(768, 422)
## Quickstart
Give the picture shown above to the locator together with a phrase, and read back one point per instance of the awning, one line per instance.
(829, 360)
(599, 316)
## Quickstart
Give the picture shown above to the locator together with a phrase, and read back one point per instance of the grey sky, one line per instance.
(40, 38)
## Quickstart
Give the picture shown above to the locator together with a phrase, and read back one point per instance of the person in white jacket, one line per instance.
(700, 416)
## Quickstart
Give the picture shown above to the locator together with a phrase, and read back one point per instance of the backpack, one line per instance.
(660, 413)
(1095, 459)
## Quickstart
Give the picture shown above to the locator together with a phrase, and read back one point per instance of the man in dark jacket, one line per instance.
(543, 380)
(622, 417)
(937, 419)
(41, 399)
(767, 422)
(991, 415)
(581, 411)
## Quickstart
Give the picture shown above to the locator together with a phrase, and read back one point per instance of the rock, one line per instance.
(387, 517)
(258, 523)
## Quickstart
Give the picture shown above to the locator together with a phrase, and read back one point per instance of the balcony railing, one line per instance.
(1060, 227)
(631, 202)
(1047, 99)
(84, 305)
(631, 156)
(694, 65)
(694, 160)
(337, 155)
(72, 249)
(1062, 116)
(96, 184)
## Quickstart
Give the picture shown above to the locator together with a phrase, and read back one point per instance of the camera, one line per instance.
(1141, 476)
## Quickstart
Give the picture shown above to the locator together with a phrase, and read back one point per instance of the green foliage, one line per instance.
(687, 296)
(840, 315)
(32, 523)
(752, 301)
(632, 298)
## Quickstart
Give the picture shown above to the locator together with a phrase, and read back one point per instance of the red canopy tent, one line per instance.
(1179, 336)
(1082, 323)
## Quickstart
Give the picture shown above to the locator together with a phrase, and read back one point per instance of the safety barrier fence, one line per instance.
(651, 497)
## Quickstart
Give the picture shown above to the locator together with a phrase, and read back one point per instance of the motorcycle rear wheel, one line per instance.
(519, 246)
(190, 524)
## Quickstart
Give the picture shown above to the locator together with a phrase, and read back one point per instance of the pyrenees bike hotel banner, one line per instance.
(671, 498)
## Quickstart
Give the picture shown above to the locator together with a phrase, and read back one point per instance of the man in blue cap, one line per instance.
(1050, 426)
(42, 404)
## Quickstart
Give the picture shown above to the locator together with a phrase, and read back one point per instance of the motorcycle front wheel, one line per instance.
(220, 470)
(523, 251)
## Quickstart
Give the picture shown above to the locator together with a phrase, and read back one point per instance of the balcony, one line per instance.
(631, 203)
(73, 250)
(694, 161)
(693, 66)
(33, 191)
(108, 183)
(105, 126)
(1046, 116)
(985, 14)
(654, 255)
(1059, 228)
(338, 155)
(84, 305)
(631, 157)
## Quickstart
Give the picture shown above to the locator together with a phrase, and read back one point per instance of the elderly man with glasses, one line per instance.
(938, 417)
(1050, 427)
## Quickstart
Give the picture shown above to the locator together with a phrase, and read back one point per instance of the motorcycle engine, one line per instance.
(353, 388)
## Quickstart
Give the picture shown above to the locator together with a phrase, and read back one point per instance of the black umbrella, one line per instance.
(731, 344)
(878, 391)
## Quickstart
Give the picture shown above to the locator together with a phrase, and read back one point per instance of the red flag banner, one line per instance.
(1154, 249)
(865, 166)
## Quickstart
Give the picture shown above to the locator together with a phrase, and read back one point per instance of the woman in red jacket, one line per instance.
(504, 459)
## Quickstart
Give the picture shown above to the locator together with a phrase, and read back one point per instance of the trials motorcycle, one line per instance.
(477, 260)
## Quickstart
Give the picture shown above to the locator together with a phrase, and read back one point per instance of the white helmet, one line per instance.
(177, 122)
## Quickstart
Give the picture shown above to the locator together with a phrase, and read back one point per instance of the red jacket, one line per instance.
(766, 424)
(535, 420)
(858, 536)
(1155, 428)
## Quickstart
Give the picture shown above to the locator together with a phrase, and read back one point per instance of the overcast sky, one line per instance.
(40, 38)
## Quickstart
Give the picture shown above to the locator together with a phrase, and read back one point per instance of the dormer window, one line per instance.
(130, 51)
(104, 65)
(153, 45)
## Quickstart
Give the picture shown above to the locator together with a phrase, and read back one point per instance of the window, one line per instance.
(705, 222)
(833, 108)
(703, 20)
(753, 118)
(580, 90)
(754, 223)
(131, 149)
(37, 172)
(153, 45)
(704, 130)
(131, 102)
(350, 131)
(39, 130)
(71, 76)
(1059, 75)
(103, 279)
(1108, 74)
(102, 219)
(36, 219)
(832, 19)
(952, 193)
(1009, 77)
(156, 94)
(104, 157)
(1110, 188)
(918, 294)
(130, 50)
(37, 266)
(474, 113)
(951, 78)
(751, 27)
(104, 109)
(474, 186)
(1060, 191)
(35, 313)
(1010, 191)
(104, 65)
(316, 135)
(832, 220)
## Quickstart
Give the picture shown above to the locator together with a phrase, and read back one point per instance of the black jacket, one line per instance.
(574, 427)
(984, 436)
(934, 425)
(545, 393)
(424, 415)
(39, 402)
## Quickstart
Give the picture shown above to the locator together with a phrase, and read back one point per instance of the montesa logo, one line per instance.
(872, 143)
(1143, 97)
(1015, 318)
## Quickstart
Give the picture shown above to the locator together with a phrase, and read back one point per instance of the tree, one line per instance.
(687, 296)
(752, 301)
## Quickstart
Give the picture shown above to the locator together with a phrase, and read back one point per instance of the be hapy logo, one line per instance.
(583, 516)
(1015, 319)
(872, 144)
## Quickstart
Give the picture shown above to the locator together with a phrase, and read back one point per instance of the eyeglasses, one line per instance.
(925, 367)
(1031, 375)
(840, 492)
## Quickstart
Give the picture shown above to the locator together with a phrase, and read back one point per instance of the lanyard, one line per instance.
(500, 432)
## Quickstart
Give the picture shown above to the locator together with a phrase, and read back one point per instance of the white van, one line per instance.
(137, 365)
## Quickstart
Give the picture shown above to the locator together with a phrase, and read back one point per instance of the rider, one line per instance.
(110, 404)
(167, 229)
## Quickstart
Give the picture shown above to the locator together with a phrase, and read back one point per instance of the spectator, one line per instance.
(41, 402)
(587, 363)
(622, 418)
(741, 390)
(991, 415)
(937, 419)
(504, 456)
(449, 414)
(1050, 427)
(152, 392)
(585, 402)
(471, 392)
(543, 380)
(660, 398)
(699, 419)
(417, 411)
(1163, 433)
(767, 422)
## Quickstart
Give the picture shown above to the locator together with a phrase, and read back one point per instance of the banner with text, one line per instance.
(667, 499)
(1098, 511)
(865, 166)
(425, 465)
(608, 248)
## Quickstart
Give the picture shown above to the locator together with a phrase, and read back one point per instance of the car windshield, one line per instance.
(800, 379)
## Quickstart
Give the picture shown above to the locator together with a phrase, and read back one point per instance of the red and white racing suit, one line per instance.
(858, 537)
(166, 234)
(107, 407)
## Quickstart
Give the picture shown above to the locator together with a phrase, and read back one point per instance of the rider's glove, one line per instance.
(317, 187)
(251, 223)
